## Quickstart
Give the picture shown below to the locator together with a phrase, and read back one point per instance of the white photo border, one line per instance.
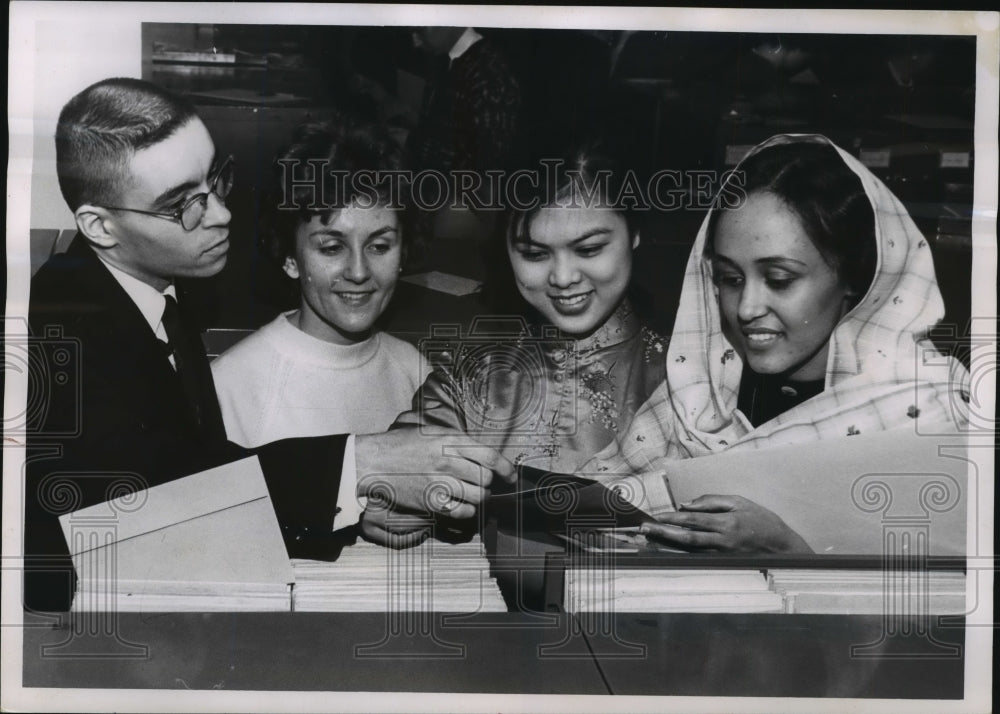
(77, 43)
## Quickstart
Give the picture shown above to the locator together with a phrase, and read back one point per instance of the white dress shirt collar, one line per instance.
(148, 299)
(463, 43)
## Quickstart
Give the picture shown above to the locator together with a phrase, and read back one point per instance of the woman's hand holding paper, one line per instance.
(726, 523)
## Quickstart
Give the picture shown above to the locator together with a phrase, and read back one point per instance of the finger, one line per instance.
(453, 508)
(711, 502)
(466, 470)
(378, 533)
(694, 520)
(421, 493)
(442, 491)
(398, 541)
(457, 510)
(682, 537)
(489, 458)
(375, 533)
(387, 493)
(396, 521)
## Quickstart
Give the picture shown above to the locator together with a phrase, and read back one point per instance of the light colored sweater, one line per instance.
(280, 383)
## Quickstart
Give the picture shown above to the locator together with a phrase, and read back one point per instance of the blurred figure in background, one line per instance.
(468, 121)
(471, 103)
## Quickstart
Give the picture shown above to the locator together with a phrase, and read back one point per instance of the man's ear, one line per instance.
(291, 268)
(92, 221)
(635, 240)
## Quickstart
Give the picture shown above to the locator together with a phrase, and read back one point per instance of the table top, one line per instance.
(775, 655)
(634, 653)
(417, 652)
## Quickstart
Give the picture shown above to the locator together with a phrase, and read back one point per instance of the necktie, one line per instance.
(172, 326)
(192, 369)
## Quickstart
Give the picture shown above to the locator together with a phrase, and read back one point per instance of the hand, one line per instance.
(390, 528)
(730, 524)
(441, 474)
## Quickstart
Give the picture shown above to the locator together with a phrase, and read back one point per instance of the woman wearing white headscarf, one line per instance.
(803, 316)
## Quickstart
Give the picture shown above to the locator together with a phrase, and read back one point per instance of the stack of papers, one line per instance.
(870, 592)
(172, 596)
(431, 577)
(668, 590)
(206, 542)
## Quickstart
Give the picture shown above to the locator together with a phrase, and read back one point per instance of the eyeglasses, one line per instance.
(193, 211)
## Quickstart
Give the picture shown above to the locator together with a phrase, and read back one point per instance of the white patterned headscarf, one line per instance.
(882, 371)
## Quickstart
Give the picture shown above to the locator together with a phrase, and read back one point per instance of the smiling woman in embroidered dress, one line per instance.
(554, 382)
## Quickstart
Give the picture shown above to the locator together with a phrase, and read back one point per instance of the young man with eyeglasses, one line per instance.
(147, 189)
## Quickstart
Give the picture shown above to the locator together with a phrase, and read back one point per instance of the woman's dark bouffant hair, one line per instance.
(588, 174)
(814, 182)
(344, 149)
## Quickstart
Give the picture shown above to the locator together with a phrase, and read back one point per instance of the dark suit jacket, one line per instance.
(105, 404)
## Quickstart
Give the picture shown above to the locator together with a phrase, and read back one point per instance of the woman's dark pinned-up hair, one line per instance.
(358, 163)
(100, 129)
(815, 183)
(588, 175)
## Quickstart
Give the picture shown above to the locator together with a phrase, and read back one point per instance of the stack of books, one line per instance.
(432, 577)
(668, 590)
(869, 592)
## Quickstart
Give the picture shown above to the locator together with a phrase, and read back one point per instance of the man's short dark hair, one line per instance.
(101, 128)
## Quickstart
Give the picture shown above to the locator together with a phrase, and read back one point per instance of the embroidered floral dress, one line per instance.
(544, 400)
